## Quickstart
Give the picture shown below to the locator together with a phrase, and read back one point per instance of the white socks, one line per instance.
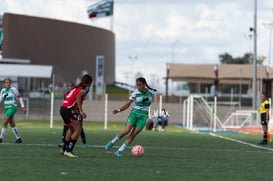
(115, 139)
(3, 133)
(16, 132)
(123, 147)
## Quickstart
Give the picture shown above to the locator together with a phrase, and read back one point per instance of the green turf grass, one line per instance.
(176, 154)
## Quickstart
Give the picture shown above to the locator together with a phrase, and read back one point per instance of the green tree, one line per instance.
(228, 59)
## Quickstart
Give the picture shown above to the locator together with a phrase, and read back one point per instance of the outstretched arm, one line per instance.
(124, 107)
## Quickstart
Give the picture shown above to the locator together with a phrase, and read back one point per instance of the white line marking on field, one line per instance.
(182, 148)
(242, 142)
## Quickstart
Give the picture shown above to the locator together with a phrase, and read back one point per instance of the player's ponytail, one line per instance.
(86, 79)
(143, 80)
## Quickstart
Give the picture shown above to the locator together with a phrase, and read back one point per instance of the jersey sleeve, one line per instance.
(266, 105)
(18, 96)
(1, 95)
(133, 95)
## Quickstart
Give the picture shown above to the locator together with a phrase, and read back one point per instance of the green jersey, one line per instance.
(142, 100)
(139, 113)
(9, 97)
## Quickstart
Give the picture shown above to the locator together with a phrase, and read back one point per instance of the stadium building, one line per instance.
(70, 48)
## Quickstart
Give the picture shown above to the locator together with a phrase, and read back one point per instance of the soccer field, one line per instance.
(176, 154)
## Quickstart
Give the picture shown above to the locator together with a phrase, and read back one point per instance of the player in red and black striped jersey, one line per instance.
(73, 101)
(71, 86)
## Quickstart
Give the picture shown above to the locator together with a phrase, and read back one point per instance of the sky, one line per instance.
(151, 33)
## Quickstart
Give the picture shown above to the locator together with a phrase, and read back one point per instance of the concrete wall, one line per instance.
(40, 109)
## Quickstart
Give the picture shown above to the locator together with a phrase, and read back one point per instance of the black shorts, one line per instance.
(77, 115)
(263, 119)
(70, 115)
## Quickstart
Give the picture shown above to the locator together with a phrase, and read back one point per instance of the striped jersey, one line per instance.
(70, 98)
(9, 97)
(142, 100)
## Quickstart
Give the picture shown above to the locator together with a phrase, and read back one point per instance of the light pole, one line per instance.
(240, 89)
(254, 81)
(173, 53)
(173, 49)
(216, 81)
(132, 58)
(260, 61)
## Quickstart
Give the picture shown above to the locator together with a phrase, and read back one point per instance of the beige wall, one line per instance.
(40, 110)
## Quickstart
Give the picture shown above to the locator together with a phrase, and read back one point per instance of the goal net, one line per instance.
(198, 114)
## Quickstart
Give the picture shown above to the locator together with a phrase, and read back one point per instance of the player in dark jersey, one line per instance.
(72, 102)
(71, 86)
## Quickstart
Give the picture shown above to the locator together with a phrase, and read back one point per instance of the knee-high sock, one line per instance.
(71, 145)
(3, 132)
(64, 133)
(83, 136)
(265, 136)
(123, 146)
(16, 132)
(115, 139)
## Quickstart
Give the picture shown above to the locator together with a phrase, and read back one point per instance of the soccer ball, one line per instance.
(137, 151)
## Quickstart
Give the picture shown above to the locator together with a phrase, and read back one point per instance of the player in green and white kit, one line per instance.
(9, 95)
(143, 97)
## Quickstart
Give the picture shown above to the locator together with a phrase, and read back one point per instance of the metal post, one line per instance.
(52, 101)
(240, 89)
(254, 86)
(105, 111)
(167, 82)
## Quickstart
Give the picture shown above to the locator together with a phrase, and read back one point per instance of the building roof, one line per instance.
(227, 73)
(191, 72)
(19, 70)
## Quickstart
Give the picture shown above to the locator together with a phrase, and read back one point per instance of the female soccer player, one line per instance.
(143, 97)
(9, 95)
(74, 101)
(70, 86)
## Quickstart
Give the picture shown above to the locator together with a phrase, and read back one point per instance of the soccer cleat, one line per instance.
(70, 154)
(118, 154)
(61, 144)
(108, 146)
(19, 140)
(84, 145)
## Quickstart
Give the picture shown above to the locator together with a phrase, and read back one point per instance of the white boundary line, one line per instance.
(150, 148)
(242, 142)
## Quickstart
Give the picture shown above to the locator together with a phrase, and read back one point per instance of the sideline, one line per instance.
(242, 142)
